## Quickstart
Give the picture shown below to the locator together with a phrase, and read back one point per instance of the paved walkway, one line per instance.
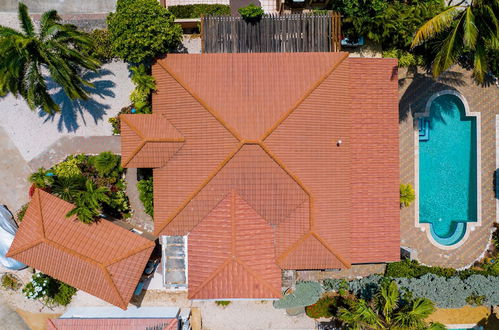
(414, 93)
(140, 218)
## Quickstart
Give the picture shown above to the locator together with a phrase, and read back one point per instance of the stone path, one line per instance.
(414, 93)
(140, 218)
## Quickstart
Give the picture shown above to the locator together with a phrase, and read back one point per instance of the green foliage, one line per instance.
(305, 294)
(411, 268)
(48, 290)
(101, 48)
(67, 188)
(322, 308)
(471, 30)
(10, 282)
(251, 12)
(475, 300)
(407, 194)
(146, 196)
(142, 30)
(68, 168)
(55, 49)
(105, 163)
(144, 86)
(495, 236)
(89, 202)
(40, 178)
(198, 10)
(405, 58)
(222, 303)
(22, 211)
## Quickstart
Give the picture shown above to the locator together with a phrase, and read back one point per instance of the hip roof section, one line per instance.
(102, 258)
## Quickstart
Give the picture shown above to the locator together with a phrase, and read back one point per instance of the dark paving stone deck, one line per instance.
(414, 93)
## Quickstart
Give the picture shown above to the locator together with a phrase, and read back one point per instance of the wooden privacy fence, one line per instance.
(271, 34)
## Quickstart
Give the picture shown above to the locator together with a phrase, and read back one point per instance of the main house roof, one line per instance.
(102, 259)
(112, 324)
(308, 141)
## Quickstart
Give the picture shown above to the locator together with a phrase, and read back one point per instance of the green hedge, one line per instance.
(411, 268)
(195, 11)
(146, 196)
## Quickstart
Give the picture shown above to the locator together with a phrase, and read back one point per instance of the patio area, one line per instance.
(415, 90)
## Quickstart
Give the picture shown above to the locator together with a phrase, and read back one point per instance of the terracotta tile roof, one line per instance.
(102, 259)
(231, 254)
(112, 324)
(266, 126)
(148, 140)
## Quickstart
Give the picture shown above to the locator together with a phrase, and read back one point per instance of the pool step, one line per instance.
(424, 129)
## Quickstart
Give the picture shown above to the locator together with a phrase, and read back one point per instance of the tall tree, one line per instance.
(389, 311)
(467, 29)
(26, 55)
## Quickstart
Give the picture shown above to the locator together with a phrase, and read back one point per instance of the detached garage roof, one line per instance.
(309, 141)
(102, 259)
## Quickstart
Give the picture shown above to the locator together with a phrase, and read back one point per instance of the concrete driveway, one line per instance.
(10, 319)
(62, 6)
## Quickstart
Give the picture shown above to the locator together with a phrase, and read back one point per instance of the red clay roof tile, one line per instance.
(102, 259)
(112, 324)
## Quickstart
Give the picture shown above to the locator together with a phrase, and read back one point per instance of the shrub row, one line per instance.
(445, 292)
(195, 11)
(411, 268)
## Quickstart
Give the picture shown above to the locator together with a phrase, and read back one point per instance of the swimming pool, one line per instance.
(448, 169)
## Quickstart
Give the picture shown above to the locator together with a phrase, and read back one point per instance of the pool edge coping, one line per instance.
(470, 226)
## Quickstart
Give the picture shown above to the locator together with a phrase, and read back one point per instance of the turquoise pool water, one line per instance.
(447, 170)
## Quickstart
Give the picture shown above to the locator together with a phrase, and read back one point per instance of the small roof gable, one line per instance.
(148, 141)
(231, 254)
(102, 259)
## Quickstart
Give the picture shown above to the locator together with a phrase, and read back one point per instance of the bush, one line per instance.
(142, 30)
(22, 211)
(222, 303)
(251, 12)
(306, 294)
(101, 49)
(10, 282)
(68, 168)
(411, 268)
(475, 300)
(146, 196)
(196, 11)
(407, 194)
(322, 308)
(48, 290)
(40, 179)
(105, 163)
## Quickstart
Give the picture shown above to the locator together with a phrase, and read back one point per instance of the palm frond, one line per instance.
(47, 21)
(480, 66)
(470, 30)
(449, 51)
(435, 25)
(25, 20)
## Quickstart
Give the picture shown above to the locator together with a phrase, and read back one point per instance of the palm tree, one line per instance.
(26, 55)
(68, 188)
(389, 311)
(407, 195)
(473, 30)
(89, 202)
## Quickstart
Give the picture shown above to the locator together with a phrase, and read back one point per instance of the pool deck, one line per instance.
(415, 90)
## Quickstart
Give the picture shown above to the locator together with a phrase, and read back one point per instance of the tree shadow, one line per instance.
(491, 322)
(421, 87)
(72, 112)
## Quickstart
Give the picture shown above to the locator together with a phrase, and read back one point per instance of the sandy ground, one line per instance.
(241, 314)
(466, 315)
(36, 321)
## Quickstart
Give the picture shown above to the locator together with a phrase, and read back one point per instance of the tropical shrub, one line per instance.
(101, 49)
(68, 168)
(105, 163)
(222, 303)
(305, 294)
(48, 290)
(146, 196)
(450, 292)
(322, 308)
(142, 30)
(41, 178)
(144, 86)
(251, 12)
(475, 300)
(21, 212)
(411, 268)
(67, 188)
(55, 49)
(407, 194)
(198, 10)
(10, 282)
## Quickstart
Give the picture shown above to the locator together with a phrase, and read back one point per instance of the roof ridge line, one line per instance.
(211, 277)
(215, 115)
(37, 193)
(201, 187)
(182, 139)
(255, 275)
(293, 246)
(128, 255)
(132, 126)
(232, 223)
(72, 252)
(109, 278)
(338, 256)
(134, 153)
(303, 98)
(13, 253)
